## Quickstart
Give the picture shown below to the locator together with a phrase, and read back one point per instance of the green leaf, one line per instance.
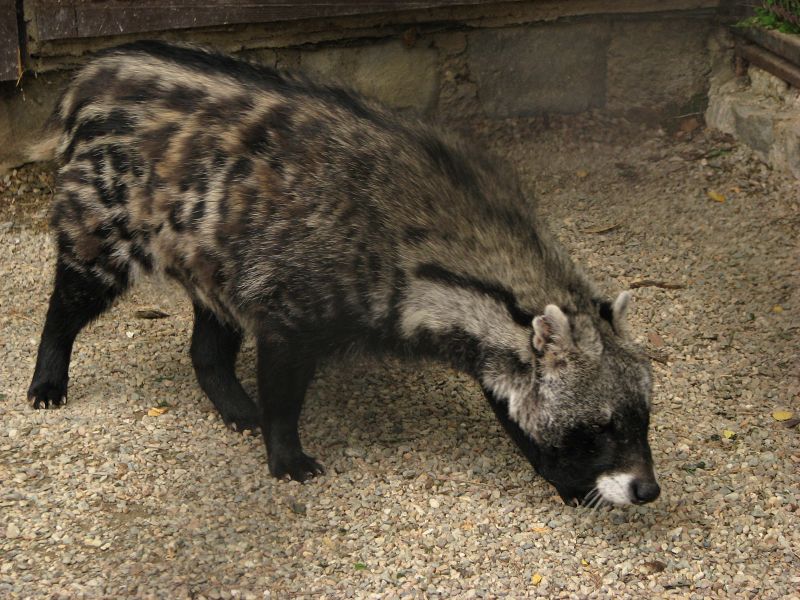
(718, 152)
(766, 16)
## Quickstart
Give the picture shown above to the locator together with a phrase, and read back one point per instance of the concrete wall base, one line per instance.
(650, 66)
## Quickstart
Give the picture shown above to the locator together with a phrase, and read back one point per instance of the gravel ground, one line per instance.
(425, 496)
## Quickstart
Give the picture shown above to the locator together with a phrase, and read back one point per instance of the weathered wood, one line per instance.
(784, 45)
(9, 41)
(772, 63)
(70, 19)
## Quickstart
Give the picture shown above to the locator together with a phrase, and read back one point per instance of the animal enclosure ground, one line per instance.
(424, 495)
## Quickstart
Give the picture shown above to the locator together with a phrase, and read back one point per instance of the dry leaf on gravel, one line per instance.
(654, 566)
(156, 411)
(540, 529)
(688, 125)
(715, 196)
(655, 340)
(782, 415)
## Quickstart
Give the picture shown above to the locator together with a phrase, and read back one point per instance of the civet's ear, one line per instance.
(619, 312)
(551, 330)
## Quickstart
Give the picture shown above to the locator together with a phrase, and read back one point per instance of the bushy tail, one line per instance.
(44, 148)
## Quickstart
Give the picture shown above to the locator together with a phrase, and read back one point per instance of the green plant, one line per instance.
(781, 15)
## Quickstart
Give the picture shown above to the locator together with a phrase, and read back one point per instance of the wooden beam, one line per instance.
(772, 63)
(784, 45)
(71, 19)
(9, 41)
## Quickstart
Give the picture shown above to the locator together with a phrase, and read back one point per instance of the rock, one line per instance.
(754, 125)
(766, 84)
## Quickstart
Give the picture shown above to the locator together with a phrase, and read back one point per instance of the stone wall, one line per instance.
(652, 65)
(758, 108)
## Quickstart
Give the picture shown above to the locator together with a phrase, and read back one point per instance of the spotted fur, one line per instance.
(314, 219)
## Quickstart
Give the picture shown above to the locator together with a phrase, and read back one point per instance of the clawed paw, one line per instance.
(47, 395)
(242, 424)
(239, 415)
(297, 466)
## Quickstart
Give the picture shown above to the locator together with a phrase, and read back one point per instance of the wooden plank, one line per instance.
(70, 19)
(9, 41)
(782, 44)
(58, 17)
(772, 63)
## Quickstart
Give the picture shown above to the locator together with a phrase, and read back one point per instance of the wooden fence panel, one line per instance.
(71, 19)
(9, 41)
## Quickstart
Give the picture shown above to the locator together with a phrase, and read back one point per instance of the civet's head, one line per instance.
(581, 413)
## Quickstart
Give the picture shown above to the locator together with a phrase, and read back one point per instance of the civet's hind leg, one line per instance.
(79, 296)
(283, 379)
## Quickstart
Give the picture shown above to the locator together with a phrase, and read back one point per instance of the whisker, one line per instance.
(601, 502)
